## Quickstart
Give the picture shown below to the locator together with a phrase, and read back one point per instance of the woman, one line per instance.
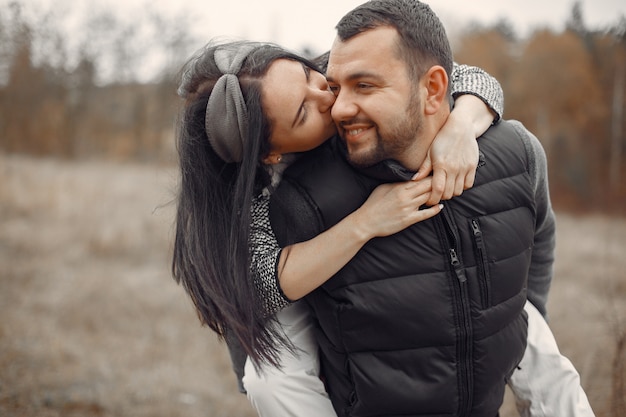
(249, 107)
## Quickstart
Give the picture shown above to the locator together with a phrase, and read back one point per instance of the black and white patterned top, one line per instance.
(263, 245)
(265, 255)
(466, 79)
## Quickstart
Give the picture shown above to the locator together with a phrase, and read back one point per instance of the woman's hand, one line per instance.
(393, 207)
(453, 155)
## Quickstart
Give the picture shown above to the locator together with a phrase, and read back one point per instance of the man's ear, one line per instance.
(436, 83)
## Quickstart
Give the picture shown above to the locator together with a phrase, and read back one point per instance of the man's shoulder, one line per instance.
(506, 126)
(502, 136)
(514, 128)
(510, 141)
(507, 133)
(532, 145)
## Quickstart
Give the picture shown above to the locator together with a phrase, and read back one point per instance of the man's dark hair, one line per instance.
(423, 39)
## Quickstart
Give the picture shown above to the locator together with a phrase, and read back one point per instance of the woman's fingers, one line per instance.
(429, 212)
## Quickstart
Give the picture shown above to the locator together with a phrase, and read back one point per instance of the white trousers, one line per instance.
(295, 389)
(546, 384)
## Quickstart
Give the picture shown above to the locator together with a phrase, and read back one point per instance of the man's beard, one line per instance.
(392, 143)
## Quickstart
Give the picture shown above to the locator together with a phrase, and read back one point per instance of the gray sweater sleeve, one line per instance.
(265, 254)
(466, 79)
(542, 261)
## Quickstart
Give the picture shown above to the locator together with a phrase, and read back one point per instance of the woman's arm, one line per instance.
(453, 156)
(302, 267)
(469, 80)
(390, 208)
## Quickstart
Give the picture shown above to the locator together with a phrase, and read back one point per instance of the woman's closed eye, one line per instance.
(305, 113)
(302, 111)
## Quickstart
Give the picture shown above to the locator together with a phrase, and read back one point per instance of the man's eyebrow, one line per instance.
(301, 108)
(357, 76)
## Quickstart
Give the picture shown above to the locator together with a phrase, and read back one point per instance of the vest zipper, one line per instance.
(482, 264)
(462, 301)
(456, 265)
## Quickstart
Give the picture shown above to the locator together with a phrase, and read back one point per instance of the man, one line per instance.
(429, 321)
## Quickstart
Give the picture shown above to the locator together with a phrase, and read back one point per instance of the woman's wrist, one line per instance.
(470, 110)
(359, 227)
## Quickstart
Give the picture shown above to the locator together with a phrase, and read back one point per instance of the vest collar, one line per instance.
(388, 171)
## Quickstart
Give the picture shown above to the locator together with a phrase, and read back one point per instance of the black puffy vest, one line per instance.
(429, 321)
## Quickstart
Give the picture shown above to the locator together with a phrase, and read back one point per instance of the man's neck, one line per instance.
(414, 156)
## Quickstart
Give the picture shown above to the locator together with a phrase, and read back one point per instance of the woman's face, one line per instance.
(298, 102)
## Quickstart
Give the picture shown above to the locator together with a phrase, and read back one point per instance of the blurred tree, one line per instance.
(5, 59)
(81, 86)
(34, 94)
(618, 104)
(567, 88)
(576, 20)
(177, 47)
(88, 92)
(5, 45)
(557, 95)
(491, 48)
(108, 42)
(18, 93)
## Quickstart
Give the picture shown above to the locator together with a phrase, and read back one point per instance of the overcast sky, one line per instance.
(296, 24)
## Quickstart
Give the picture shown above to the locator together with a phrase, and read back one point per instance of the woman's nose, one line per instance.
(343, 108)
(326, 99)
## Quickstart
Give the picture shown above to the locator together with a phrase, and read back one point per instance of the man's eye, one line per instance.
(334, 89)
(363, 86)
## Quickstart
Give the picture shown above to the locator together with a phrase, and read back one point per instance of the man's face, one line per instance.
(378, 111)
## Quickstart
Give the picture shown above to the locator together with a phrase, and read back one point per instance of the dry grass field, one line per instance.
(92, 324)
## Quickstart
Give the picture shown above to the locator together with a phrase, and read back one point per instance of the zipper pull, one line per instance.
(454, 259)
(456, 264)
(478, 234)
(476, 228)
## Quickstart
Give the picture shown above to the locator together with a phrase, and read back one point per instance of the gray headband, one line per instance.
(226, 120)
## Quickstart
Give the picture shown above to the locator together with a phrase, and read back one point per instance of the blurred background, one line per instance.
(92, 323)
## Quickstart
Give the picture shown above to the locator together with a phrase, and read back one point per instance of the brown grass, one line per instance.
(92, 323)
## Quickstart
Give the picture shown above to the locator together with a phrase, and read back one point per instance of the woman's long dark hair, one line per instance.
(211, 258)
